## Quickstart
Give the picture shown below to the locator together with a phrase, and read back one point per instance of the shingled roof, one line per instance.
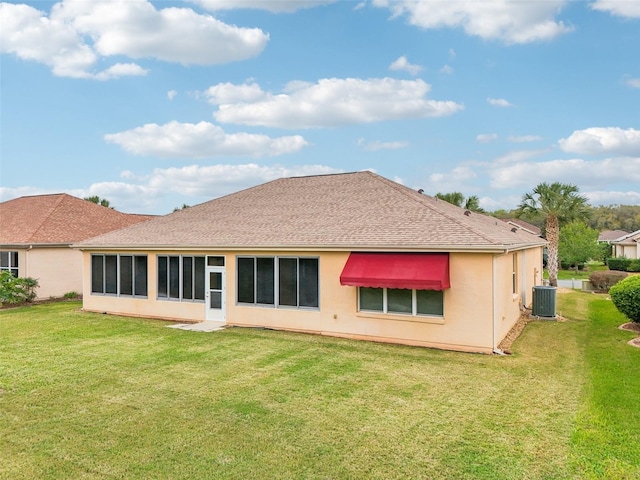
(58, 219)
(343, 211)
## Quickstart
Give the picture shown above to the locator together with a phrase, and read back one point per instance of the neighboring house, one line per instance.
(608, 236)
(36, 233)
(351, 255)
(527, 227)
(627, 245)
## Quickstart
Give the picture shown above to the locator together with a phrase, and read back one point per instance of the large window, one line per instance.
(124, 275)
(9, 261)
(278, 281)
(181, 278)
(402, 301)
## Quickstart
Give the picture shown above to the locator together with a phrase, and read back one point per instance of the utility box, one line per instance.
(544, 301)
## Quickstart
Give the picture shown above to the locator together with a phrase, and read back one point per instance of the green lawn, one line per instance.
(89, 396)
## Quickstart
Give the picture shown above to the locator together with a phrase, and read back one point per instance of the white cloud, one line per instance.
(499, 102)
(629, 8)
(524, 138)
(486, 137)
(121, 70)
(377, 145)
(447, 70)
(633, 82)
(224, 93)
(274, 6)
(171, 94)
(594, 141)
(453, 181)
(602, 173)
(510, 21)
(333, 102)
(613, 198)
(201, 140)
(517, 156)
(77, 33)
(402, 64)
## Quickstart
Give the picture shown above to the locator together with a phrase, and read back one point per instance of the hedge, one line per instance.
(625, 295)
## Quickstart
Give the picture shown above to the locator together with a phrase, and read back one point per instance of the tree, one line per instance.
(458, 199)
(100, 201)
(560, 203)
(577, 244)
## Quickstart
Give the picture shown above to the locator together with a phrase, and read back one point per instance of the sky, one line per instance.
(153, 105)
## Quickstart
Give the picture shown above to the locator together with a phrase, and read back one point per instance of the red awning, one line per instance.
(420, 271)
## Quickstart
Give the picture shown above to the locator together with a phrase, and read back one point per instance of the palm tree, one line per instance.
(458, 199)
(559, 203)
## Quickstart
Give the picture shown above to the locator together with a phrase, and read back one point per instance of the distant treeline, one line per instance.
(612, 217)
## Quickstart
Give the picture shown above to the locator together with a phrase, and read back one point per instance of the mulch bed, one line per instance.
(632, 327)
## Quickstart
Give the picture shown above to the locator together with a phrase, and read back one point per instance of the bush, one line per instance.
(618, 263)
(634, 266)
(16, 290)
(626, 297)
(603, 280)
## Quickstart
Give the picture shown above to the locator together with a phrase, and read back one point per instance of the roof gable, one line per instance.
(353, 211)
(58, 219)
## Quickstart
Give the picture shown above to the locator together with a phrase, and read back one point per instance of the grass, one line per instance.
(90, 396)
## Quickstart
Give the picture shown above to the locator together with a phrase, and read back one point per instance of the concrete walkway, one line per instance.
(200, 327)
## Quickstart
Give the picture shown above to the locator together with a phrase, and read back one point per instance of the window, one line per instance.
(401, 301)
(181, 277)
(278, 281)
(9, 261)
(124, 275)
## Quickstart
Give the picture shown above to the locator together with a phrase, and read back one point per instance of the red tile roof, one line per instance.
(58, 219)
(343, 211)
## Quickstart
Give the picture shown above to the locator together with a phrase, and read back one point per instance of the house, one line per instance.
(350, 255)
(608, 236)
(627, 245)
(36, 233)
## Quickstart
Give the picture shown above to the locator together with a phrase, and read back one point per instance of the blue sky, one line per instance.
(156, 104)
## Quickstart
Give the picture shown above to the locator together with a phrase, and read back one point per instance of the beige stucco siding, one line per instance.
(57, 269)
(478, 311)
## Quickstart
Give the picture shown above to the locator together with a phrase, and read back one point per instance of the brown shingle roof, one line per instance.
(343, 211)
(611, 235)
(517, 222)
(58, 219)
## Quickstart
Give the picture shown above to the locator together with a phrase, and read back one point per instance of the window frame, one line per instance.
(175, 283)
(111, 279)
(278, 288)
(12, 262)
(385, 310)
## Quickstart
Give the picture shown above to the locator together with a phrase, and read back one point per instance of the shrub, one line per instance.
(16, 290)
(618, 263)
(603, 280)
(626, 297)
(634, 266)
(71, 295)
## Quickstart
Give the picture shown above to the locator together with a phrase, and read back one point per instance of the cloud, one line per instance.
(633, 82)
(453, 181)
(499, 102)
(377, 145)
(594, 141)
(505, 20)
(224, 93)
(486, 137)
(446, 69)
(524, 138)
(194, 184)
(330, 102)
(274, 6)
(171, 94)
(402, 64)
(201, 140)
(628, 9)
(78, 33)
(613, 198)
(602, 173)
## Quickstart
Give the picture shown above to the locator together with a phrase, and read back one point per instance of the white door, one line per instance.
(215, 298)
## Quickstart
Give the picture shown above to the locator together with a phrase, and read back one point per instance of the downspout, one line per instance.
(494, 307)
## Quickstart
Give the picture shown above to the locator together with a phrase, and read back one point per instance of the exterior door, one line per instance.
(215, 298)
